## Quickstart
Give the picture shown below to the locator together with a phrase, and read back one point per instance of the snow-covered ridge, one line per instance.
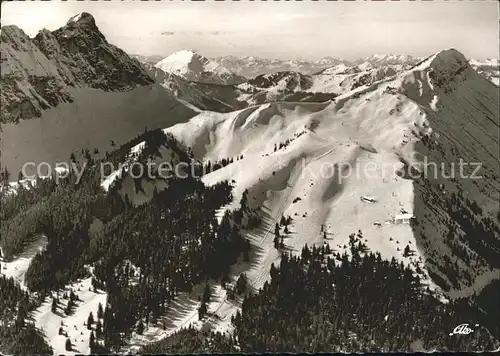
(494, 62)
(387, 59)
(194, 67)
(198, 96)
(341, 69)
(445, 69)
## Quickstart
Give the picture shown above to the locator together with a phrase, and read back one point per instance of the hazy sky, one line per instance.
(304, 30)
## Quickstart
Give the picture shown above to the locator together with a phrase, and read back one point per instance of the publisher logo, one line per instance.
(462, 329)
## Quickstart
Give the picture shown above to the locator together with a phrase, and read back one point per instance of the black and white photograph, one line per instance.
(238, 177)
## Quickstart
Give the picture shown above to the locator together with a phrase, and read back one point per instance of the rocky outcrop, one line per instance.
(38, 73)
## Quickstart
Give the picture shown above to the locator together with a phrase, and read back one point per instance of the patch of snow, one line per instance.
(434, 102)
(17, 267)
(12, 187)
(76, 18)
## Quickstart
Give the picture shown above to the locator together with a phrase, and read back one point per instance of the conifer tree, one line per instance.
(90, 321)
(276, 240)
(202, 310)
(206, 294)
(100, 311)
(140, 328)
(54, 305)
(98, 329)
(91, 340)
(241, 284)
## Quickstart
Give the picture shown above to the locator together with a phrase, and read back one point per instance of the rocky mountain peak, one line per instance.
(82, 19)
(194, 67)
(449, 59)
(13, 35)
(37, 72)
(446, 67)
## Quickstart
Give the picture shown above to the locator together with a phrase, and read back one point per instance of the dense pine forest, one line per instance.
(146, 256)
(192, 341)
(17, 334)
(326, 302)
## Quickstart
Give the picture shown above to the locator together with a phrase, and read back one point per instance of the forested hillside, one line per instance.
(141, 256)
(326, 302)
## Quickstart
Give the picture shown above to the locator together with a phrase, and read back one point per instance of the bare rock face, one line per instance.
(30, 82)
(37, 73)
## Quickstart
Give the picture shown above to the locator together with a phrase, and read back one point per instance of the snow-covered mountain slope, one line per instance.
(38, 73)
(96, 120)
(289, 85)
(340, 69)
(363, 72)
(250, 66)
(194, 67)
(280, 86)
(462, 110)
(73, 325)
(339, 167)
(300, 179)
(292, 81)
(378, 130)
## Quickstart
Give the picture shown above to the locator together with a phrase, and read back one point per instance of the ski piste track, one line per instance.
(263, 263)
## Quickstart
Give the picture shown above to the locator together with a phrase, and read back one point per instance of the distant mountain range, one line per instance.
(250, 66)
